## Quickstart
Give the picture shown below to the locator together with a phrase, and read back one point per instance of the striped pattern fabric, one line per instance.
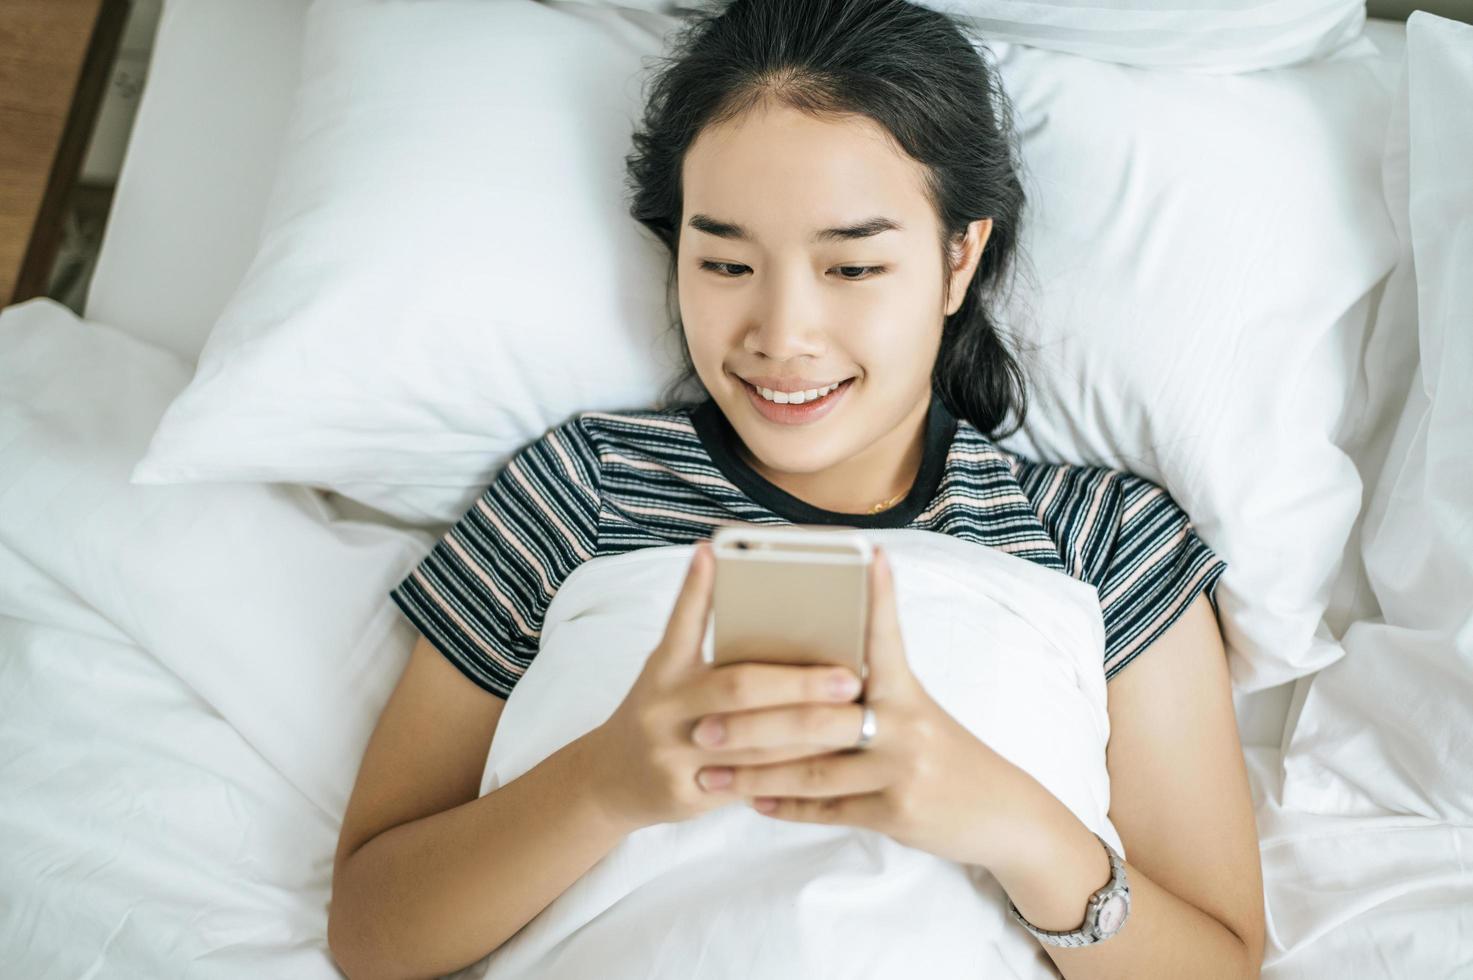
(1128, 538)
(609, 482)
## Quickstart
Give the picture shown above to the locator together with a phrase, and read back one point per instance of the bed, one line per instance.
(173, 735)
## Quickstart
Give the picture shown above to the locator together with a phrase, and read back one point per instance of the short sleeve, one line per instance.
(1148, 567)
(1127, 537)
(481, 594)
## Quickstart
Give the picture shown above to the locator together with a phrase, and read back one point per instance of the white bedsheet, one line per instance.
(143, 835)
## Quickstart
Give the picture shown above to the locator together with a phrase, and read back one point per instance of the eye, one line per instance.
(849, 273)
(717, 268)
(875, 269)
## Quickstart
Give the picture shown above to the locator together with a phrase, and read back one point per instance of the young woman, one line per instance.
(836, 183)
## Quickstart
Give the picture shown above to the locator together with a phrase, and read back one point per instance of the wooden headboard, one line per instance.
(55, 56)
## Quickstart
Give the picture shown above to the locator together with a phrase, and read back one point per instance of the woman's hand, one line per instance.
(924, 780)
(645, 759)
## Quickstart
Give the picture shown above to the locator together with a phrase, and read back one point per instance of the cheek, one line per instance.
(696, 314)
(885, 324)
(712, 321)
(705, 337)
(900, 342)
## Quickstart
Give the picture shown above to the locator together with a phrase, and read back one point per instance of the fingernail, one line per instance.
(710, 732)
(715, 778)
(843, 685)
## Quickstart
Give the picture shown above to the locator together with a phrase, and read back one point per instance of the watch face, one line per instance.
(1112, 915)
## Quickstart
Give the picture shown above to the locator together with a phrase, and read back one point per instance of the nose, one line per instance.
(787, 319)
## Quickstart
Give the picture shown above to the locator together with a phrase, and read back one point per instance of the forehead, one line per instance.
(781, 172)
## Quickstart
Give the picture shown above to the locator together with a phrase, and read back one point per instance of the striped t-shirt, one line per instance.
(609, 482)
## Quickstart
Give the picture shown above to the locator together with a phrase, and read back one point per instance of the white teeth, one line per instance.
(795, 397)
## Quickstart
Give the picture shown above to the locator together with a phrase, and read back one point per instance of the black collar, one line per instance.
(720, 440)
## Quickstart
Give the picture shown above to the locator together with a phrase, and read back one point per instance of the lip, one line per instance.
(796, 414)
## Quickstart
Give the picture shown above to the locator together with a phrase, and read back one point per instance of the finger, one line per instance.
(750, 685)
(760, 757)
(870, 810)
(835, 774)
(686, 629)
(883, 628)
(831, 726)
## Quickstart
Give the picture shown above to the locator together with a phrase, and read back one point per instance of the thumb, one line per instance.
(885, 648)
(686, 630)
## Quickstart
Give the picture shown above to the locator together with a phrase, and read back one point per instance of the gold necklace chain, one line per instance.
(882, 505)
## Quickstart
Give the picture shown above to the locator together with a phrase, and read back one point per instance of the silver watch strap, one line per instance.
(1086, 934)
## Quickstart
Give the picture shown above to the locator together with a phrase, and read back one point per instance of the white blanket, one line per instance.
(1011, 649)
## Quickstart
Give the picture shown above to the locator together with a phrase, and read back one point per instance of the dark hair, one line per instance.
(912, 71)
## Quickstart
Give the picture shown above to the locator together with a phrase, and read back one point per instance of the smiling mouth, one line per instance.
(799, 397)
(792, 413)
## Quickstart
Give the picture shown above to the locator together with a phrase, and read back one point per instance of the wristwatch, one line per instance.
(1104, 913)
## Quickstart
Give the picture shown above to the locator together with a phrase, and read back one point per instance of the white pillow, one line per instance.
(1200, 307)
(1224, 36)
(274, 614)
(1388, 728)
(201, 157)
(407, 319)
(406, 326)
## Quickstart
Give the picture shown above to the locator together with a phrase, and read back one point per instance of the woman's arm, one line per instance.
(438, 893)
(1180, 800)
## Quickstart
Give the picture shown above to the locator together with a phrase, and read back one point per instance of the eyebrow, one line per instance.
(729, 229)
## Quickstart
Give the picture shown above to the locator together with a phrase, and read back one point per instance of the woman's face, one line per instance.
(767, 295)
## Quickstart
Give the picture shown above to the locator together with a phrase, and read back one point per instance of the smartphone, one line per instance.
(791, 594)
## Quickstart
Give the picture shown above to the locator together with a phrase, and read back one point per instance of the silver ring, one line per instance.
(867, 729)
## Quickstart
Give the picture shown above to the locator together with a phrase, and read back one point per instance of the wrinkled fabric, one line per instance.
(1012, 650)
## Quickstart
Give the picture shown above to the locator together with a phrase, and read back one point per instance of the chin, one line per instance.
(796, 452)
(793, 462)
